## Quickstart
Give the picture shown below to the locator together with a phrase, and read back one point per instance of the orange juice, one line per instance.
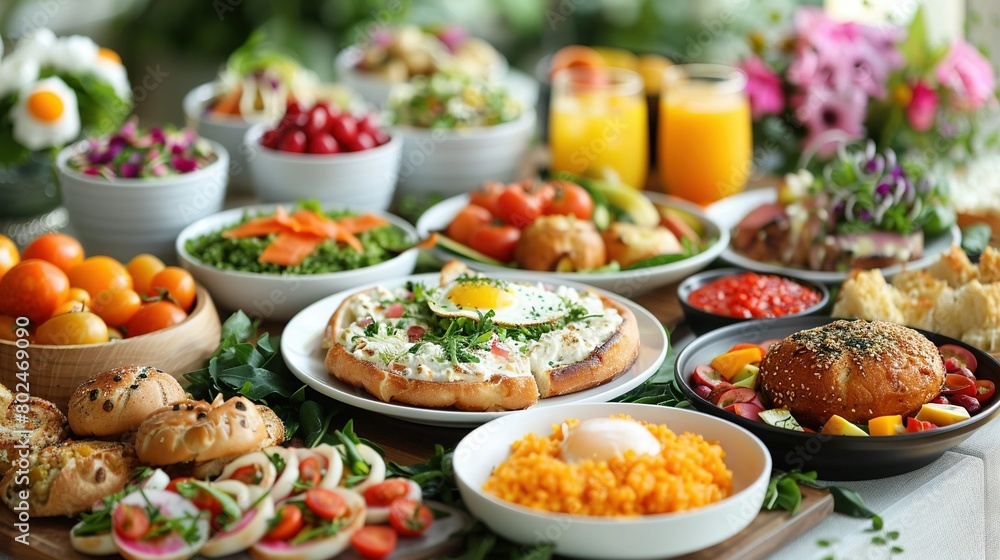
(705, 140)
(596, 129)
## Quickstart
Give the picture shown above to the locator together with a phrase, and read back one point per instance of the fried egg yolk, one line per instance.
(480, 295)
(45, 106)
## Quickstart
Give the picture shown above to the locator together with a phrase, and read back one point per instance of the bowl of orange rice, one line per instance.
(612, 480)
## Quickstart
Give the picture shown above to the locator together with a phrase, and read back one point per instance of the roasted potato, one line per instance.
(560, 243)
(628, 243)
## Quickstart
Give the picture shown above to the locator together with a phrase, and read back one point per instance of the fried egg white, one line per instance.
(602, 439)
(45, 115)
(513, 304)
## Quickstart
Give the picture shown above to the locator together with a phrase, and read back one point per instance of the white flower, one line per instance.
(75, 53)
(17, 72)
(108, 67)
(45, 115)
(36, 45)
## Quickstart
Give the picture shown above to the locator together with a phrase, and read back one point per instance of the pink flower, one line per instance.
(831, 117)
(922, 107)
(763, 88)
(966, 73)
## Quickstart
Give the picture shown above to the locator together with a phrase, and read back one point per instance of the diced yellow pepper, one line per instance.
(839, 426)
(730, 363)
(886, 426)
(942, 414)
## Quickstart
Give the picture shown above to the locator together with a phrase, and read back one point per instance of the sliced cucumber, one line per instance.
(463, 250)
(780, 418)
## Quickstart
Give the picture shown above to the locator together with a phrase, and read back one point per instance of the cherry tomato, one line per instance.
(571, 199)
(294, 141)
(958, 355)
(344, 128)
(143, 268)
(497, 242)
(309, 472)
(201, 500)
(466, 221)
(374, 541)
(326, 503)
(323, 143)
(72, 328)
(56, 248)
(286, 524)
(178, 283)
(385, 492)
(80, 295)
(34, 289)
(956, 384)
(487, 196)
(130, 521)
(100, 273)
(249, 475)
(410, 518)
(363, 141)
(8, 255)
(518, 207)
(8, 328)
(116, 307)
(71, 306)
(318, 118)
(153, 317)
(913, 425)
(984, 389)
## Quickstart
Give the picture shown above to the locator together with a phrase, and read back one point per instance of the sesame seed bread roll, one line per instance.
(42, 424)
(116, 401)
(856, 369)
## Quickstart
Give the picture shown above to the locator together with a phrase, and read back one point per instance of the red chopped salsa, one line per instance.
(752, 295)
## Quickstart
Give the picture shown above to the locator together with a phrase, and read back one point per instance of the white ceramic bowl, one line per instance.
(451, 162)
(228, 131)
(629, 283)
(124, 217)
(364, 179)
(280, 296)
(650, 536)
(376, 89)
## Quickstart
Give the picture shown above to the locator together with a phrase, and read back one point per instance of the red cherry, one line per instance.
(323, 143)
(382, 137)
(369, 124)
(317, 120)
(293, 108)
(270, 139)
(363, 141)
(344, 129)
(294, 141)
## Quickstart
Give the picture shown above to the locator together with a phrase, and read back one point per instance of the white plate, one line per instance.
(628, 283)
(730, 210)
(300, 345)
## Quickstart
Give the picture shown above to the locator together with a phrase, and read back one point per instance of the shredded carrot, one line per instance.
(290, 248)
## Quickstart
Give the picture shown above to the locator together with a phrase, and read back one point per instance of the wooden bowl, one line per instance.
(55, 371)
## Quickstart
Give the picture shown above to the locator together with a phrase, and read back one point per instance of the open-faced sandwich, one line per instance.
(478, 343)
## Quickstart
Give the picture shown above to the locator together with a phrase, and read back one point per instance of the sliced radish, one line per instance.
(256, 459)
(375, 515)
(102, 544)
(251, 527)
(168, 547)
(322, 548)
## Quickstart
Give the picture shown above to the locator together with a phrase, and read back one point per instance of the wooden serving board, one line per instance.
(771, 530)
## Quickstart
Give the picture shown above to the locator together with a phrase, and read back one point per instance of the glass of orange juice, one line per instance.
(597, 124)
(705, 138)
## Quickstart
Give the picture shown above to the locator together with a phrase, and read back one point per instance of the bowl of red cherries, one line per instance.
(324, 152)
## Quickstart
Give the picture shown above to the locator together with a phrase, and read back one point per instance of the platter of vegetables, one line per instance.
(593, 231)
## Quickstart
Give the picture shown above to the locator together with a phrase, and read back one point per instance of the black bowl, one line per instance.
(834, 457)
(702, 321)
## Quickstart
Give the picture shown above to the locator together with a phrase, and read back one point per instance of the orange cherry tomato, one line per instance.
(70, 306)
(8, 255)
(326, 503)
(116, 307)
(80, 295)
(8, 328)
(178, 283)
(571, 199)
(286, 524)
(57, 248)
(486, 196)
(130, 521)
(153, 317)
(34, 289)
(519, 207)
(466, 221)
(143, 268)
(309, 472)
(100, 273)
(72, 328)
(497, 242)
(115, 334)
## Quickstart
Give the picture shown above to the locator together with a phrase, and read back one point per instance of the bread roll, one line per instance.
(67, 478)
(6, 397)
(275, 436)
(45, 425)
(116, 401)
(856, 369)
(198, 431)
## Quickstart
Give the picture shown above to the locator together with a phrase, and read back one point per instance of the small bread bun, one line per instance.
(275, 436)
(116, 401)
(856, 369)
(198, 431)
(6, 397)
(67, 478)
(36, 422)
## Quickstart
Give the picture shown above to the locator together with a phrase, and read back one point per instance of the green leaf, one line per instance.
(976, 238)
(263, 382)
(238, 327)
(314, 422)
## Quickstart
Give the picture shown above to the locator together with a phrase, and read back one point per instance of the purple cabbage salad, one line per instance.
(131, 153)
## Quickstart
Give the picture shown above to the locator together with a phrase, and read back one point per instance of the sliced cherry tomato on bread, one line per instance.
(410, 518)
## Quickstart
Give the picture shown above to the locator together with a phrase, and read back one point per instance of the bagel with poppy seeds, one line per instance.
(855, 369)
